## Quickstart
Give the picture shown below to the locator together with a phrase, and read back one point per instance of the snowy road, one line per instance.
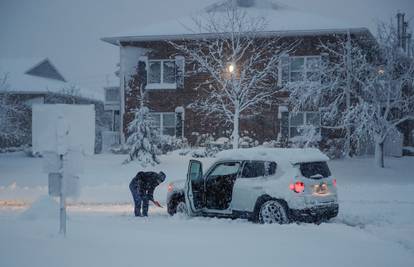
(374, 226)
(118, 239)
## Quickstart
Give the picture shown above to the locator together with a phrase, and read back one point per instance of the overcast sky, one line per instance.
(69, 32)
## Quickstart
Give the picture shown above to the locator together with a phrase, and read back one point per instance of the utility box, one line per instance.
(55, 181)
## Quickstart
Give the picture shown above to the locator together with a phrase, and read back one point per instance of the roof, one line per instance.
(279, 155)
(31, 75)
(281, 20)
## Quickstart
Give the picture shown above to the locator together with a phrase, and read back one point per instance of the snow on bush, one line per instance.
(167, 143)
(14, 118)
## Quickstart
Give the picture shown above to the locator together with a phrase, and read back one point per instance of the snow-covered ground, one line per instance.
(375, 225)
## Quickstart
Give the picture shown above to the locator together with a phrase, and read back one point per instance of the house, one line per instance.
(28, 81)
(171, 89)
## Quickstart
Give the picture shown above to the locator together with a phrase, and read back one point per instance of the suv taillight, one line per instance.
(297, 187)
(334, 182)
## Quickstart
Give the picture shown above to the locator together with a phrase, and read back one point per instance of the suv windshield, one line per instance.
(315, 170)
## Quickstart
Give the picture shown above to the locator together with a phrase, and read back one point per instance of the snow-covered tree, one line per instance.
(241, 63)
(143, 138)
(386, 97)
(333, 86)
(365, 92)
(13, 117)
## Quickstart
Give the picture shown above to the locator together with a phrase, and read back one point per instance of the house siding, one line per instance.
(262, 125)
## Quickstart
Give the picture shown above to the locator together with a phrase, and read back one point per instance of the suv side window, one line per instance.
(226, 168)
(253, 169)
(270, 167)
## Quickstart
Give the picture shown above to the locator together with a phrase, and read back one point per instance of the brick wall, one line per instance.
(262, 125)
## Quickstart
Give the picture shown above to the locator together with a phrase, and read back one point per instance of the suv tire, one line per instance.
(273, 211)
(173, 203)
(181, 208)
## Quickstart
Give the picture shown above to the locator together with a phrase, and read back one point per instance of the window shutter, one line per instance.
(284, 125)
(283, 74)
(324, 67)
(179, 122)
(142, 70)
(179, 71)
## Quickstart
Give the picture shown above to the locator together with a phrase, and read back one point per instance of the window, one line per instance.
(196, 172)
(161, 72)
(224, 169)
(300, 119)
(304, 68)
(253, 169)
(112, 95)
(164, 123)
(315, 170)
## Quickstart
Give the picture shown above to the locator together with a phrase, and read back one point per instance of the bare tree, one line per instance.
(240, 61)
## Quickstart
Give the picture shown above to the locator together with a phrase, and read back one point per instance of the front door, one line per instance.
(194, 191)
(219, 186)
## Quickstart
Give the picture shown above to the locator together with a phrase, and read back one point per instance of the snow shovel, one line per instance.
(156, 203)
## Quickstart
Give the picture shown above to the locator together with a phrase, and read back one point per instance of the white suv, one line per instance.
(265, 185)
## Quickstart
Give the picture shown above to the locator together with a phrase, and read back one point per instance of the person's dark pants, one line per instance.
(138, 199)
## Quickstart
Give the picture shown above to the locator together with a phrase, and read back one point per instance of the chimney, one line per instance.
(400, 23)
(403, 37)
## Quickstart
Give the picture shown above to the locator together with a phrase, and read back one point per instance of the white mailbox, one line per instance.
(63, 134)
(53, 123)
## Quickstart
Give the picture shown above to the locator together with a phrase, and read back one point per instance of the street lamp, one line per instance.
(231, 68)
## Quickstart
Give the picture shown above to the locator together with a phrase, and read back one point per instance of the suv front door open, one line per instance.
(194, 191)
(219, 185)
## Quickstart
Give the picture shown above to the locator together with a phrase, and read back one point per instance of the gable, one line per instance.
(45, 70)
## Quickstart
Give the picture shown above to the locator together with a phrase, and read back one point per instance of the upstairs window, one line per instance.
(161, 72)
(304, 68)
(112, 95)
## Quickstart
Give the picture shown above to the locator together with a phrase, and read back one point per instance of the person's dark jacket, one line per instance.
(146, 182)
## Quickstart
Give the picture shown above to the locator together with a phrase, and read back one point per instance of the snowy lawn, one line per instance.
(375, 226)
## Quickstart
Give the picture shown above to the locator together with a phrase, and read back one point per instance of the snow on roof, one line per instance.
(23, 75)
(279, 155)
(281, 20)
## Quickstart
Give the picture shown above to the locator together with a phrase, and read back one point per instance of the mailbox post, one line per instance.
(64, 151)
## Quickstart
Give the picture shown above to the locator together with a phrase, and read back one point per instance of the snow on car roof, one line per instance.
(279, 155)
(281, 20)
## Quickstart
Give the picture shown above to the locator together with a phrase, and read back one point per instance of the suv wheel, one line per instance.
(273, 211)
(181, 208)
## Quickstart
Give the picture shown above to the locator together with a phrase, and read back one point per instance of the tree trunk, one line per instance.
(347, 148)
(379, 153)
(235, 134)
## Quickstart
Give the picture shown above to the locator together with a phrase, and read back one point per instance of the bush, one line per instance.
(170, 143)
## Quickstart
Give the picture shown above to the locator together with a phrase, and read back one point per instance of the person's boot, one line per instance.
(137, 212)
